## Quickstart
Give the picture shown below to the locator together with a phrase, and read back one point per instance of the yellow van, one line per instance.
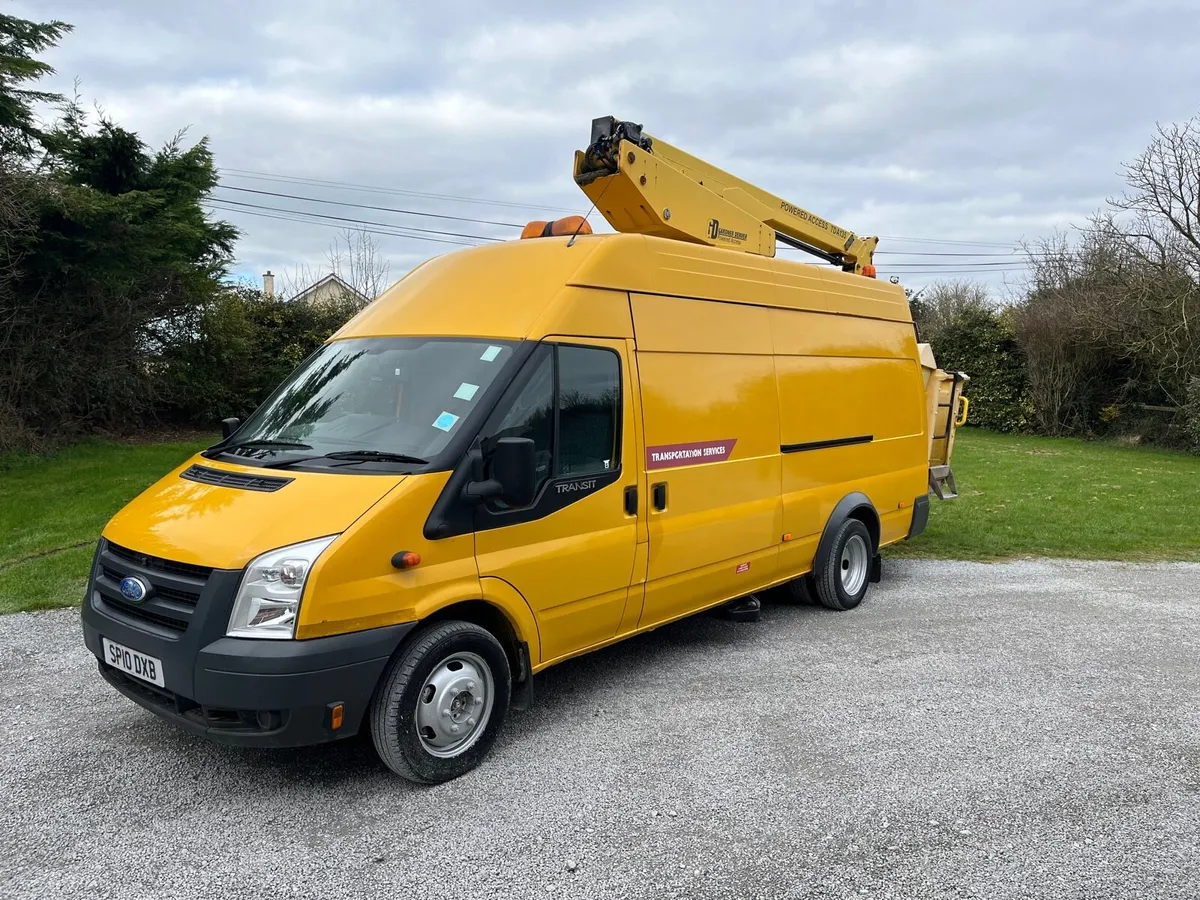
(515, 455)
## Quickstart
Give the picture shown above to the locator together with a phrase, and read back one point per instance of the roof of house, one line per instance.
(330, 280)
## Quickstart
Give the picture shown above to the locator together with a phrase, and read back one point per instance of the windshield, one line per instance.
(393, 395)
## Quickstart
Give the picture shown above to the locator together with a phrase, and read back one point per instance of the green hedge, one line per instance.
(242, 346)
(981, 343)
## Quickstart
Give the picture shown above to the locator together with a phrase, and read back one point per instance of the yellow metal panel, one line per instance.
(208, 525)
(504, 596)
(637, 589)
(354, 585)
(586, 312)
(840, 292)
(573, 567)
(687, 270)
(832, 398)
(495, 291)
(649, 196)
(802, 333)
(720, 514)
(827, 398)
(675, 325)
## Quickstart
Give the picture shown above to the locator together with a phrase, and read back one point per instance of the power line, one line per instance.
(974, 265)
(378, 189)
(964, 262)
(304, 221)
(391, 209)
(316, 215)
(941, 272)
(404, 231)
(411, 212)
(917, 240)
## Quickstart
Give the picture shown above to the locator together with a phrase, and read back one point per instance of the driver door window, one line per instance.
(532, 413)
(570, 407)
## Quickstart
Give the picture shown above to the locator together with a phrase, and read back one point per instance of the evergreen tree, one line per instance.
(19, 41)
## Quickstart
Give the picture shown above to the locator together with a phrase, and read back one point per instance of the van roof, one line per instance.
(501, 290)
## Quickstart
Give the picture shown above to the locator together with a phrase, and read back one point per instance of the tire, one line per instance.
(843, 580)
(436, 683)
(800, 591)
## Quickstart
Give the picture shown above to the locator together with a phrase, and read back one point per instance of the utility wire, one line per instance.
(304, 221)
(964, 262)
(391, 209)
(316, 215)
(377, 189)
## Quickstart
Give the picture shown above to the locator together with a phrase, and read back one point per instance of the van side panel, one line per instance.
(851, 412)
(710, 419)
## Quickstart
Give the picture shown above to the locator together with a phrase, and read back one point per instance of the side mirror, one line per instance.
(514, 474)
(229, 426)
(514, 465)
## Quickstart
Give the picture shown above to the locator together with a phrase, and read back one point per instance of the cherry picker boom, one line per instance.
(644, 185)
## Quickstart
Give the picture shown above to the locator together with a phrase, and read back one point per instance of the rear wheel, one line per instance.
(441, 702)
(842, 581)
(800, 591)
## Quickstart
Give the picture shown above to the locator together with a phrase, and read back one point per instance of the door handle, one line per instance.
(659, 494)
(631, 500)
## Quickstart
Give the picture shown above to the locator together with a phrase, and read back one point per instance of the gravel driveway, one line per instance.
(1021, 730)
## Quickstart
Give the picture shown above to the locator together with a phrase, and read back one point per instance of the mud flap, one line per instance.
(877, 569)
(522, 690)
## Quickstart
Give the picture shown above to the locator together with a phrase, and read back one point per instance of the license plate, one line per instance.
(139, 665)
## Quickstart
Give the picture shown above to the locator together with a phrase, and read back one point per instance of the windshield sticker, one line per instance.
(445, 421)
(466, 391)
(664, 456)
(490, 354)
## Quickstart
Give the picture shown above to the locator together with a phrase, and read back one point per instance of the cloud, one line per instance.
(971, 122)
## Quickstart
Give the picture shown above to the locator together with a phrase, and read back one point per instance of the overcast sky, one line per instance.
(920, 121)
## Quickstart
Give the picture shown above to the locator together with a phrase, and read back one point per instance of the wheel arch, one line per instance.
(488, 616)
(856, 505)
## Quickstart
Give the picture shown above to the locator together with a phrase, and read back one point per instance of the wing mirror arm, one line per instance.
(514, 473)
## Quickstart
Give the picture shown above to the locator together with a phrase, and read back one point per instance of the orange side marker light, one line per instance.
(406, 559)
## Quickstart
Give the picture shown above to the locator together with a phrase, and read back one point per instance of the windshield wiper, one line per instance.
(267, 445)
(348, 456)
(382, 455)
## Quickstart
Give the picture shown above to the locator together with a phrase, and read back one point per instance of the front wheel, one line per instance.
(441, 702)
(843, 579)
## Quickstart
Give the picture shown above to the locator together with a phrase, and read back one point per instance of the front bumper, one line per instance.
(241, 691)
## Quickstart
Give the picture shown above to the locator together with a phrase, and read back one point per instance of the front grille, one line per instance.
(240, 480)
(142, 614)
(174, 589)
(155, 562)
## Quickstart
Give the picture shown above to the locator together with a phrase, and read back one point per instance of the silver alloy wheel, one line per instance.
(454, 704)
(854, 564)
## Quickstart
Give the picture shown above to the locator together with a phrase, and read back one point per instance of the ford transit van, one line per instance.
(517, 454)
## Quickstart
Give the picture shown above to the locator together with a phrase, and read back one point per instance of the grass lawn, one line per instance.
(1018, 496)
(1061, 497)
(53, 510)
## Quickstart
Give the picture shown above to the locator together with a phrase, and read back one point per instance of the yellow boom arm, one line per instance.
(645, 186)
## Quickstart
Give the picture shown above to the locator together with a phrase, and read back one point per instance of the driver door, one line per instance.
(570, 553)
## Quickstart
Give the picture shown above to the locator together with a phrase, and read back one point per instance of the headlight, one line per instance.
(268, 599)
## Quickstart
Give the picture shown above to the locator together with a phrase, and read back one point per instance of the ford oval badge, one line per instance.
(133, 589)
